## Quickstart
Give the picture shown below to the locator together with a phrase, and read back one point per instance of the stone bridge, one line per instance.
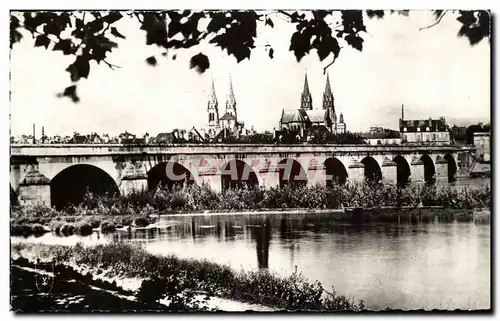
(52, 174)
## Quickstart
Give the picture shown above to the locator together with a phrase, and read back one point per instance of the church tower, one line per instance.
(231, 101)
(329, 104)
(213, 111)
(306, 99)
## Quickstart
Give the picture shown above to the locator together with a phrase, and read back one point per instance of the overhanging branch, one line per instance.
(436, 22)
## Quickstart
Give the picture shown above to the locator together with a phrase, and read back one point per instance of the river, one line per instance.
(402, 266)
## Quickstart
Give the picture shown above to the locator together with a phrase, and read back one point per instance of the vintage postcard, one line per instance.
(250, 160)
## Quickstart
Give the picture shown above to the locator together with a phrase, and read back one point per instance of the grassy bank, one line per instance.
(179, 279)
(111, 212)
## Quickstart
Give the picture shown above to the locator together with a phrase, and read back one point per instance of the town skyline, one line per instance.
(403, 66)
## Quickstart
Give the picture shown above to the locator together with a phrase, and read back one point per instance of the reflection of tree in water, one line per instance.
(289, 228)
(262, 236)
(229, 231)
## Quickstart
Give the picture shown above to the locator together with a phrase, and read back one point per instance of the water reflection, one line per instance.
(407, 265)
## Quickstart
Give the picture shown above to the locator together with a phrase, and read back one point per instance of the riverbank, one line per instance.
(177, 283)
(348, 202)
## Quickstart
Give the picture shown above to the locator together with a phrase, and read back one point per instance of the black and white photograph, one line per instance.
(257, 160)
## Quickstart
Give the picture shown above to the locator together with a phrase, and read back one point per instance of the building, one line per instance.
(384, 137)
(306, 119)
(227, 123)
(431, 131)
(482, 144)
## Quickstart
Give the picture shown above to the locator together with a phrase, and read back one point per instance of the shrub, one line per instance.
(83, 228)
(38, 229)
(141, 222)
(67, 229)
(94, 222)
(56, 226)
(107, 227)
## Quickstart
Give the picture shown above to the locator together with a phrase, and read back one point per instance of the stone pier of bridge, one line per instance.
(35, 170)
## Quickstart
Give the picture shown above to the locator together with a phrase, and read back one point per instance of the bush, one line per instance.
(83, 229)
(108, 227)
(67, 229)
(177, 279)
(56, 226)
(38, 229)
(141, 222)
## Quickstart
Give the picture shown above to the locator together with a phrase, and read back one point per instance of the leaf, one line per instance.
(80, 68)
(269, 22)
(112, 17)
(271, 53)
(15, 35)
(218, 21)
(151, 61)
(199, 62)
(117, 34)
(474, 29)
(71, 93)
(300, 44)
(375, 13)
(355, 41)
(42, 41)
(327, 45)
(66, 46)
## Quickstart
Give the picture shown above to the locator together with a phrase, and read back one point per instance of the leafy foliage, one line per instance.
(93, 34)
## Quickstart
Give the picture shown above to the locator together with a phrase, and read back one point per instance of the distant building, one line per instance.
(306, 119)
(482, 144)
(228, 123)
(163, 138)
(195, 136)
(384, 137)
(432, 131)
(126, 138)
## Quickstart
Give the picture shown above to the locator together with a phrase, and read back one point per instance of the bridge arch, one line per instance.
(291, 172)
(403, 170)
(169, 174)
(71, 184)
(373, 172)
(335, 171)
(429, 168)
(452, 167)
(237, 174)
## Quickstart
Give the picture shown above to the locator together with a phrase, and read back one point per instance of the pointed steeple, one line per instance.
(213, 108)
(328, 100)
(306, 98)
(231, 100)
(212, 98)
(230, 95)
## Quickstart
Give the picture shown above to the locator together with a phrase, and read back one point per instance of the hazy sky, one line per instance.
(432, 72)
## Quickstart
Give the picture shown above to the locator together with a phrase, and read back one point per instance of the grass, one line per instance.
(113, 212)
(168, 276)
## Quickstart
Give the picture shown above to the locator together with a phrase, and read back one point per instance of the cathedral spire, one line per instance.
(230, 96)
(306, 98)
(212, 96)
(213, 108)
(231, 100)
(328, 100)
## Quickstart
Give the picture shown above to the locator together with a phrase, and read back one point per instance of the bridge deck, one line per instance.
(48, 150)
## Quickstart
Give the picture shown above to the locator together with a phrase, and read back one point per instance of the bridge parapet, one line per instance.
(48, 150)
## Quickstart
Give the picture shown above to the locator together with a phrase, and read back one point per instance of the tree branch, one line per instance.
(437, 21)
(285, 13)
(111, 65)
(331, 63)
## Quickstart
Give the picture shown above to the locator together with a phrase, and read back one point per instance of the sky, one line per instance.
(433, 72)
